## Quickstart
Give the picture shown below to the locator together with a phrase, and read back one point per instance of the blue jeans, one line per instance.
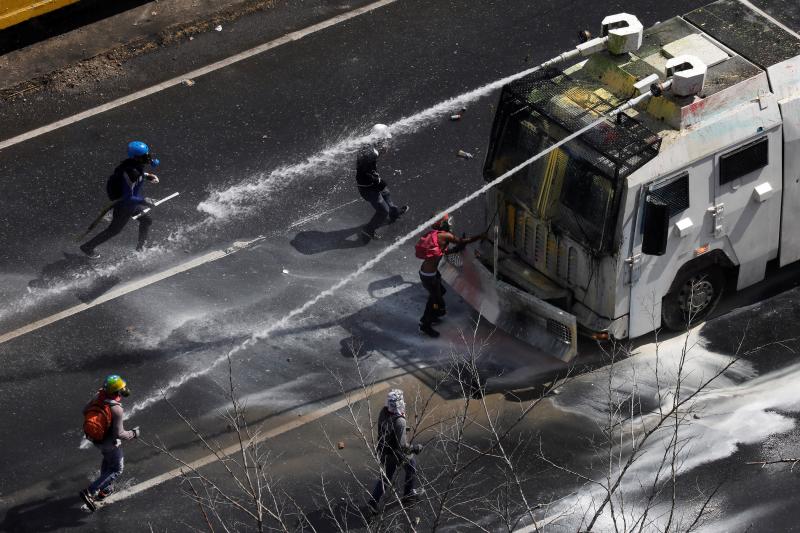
(390, 464)
(381, 201)
(110, 469)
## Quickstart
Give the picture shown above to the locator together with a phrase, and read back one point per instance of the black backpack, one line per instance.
(115, 186)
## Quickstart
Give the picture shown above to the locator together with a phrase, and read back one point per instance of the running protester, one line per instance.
(124, 188)
(103, 426)
(372, 187)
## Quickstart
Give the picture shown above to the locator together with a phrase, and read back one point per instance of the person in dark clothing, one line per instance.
(431, 247)
(370, 185)
(394, 451)
(124, 187)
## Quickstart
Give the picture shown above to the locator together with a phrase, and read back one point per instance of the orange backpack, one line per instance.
(428, 245)
(97, 420)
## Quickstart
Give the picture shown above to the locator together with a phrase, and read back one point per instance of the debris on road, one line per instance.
(340, 445)
(188, 83)
(285, 271)
(465, 155)
(455, 117)
(218, 28)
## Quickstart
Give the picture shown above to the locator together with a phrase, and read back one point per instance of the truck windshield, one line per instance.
(561, 187)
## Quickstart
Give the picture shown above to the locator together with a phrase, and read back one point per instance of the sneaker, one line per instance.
(89, 252)
(102, 494)
(428, 330)
(400, 212)
(366, 236)
(88, 499)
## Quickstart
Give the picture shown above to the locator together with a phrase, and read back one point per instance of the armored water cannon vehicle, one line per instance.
(642, 221)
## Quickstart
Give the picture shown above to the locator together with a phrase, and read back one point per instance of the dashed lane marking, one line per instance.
(288, 38)
(129, 287)
(149, 280)
(266, 435)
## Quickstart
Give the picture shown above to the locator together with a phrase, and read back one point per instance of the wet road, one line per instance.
(244, 146)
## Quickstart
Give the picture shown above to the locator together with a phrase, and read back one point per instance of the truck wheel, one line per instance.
(695, 296)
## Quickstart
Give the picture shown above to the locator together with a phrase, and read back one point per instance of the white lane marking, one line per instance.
(125, 289)
(129, 287)
(289, 37)
(770, 18)
(234, 449)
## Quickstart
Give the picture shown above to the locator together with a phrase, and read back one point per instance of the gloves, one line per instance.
(152, 177)
(136, 432)
(416, 448)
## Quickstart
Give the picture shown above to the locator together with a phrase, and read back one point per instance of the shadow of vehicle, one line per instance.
(388, 328)
(44, 515)
(315, 242)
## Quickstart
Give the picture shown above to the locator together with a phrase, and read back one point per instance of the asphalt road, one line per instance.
(257, 123)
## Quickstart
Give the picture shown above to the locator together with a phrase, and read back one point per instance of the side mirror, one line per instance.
(655, 226)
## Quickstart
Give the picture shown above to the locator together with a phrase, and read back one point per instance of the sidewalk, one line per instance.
(98, 49)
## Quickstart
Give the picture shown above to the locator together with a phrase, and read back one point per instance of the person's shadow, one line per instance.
(314, 242)
(44, 515)
(68, 267)
(61, 269)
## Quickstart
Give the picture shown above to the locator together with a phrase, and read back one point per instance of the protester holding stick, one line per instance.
(124, 188)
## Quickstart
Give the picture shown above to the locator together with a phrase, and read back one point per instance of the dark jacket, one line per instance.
(129, 179)
(367, 177)
(392, 435)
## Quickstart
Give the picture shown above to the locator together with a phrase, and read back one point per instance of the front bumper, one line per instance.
(530, 319)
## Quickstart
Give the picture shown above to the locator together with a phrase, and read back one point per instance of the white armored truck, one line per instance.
(642, 221)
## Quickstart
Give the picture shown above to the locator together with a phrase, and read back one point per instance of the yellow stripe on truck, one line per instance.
(16, 11)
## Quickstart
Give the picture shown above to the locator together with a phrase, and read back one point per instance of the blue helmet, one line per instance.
(137, 149)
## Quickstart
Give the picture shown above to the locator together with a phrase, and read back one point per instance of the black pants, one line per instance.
(390, 464)
(120, 218)
(435, 306)
(381, 201)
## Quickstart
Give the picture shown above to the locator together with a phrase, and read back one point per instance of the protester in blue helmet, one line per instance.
(124, 188)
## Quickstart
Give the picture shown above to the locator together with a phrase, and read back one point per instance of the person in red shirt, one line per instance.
(431, 247)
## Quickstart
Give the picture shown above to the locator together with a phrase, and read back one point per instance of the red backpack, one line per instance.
(97, 419)
(428, 245)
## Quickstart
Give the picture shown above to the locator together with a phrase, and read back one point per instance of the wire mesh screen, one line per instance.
(620, 145)
(674, 194)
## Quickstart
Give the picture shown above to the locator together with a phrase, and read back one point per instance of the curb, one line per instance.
(107, 62)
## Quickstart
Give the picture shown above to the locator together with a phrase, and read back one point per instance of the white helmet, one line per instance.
(381, 132)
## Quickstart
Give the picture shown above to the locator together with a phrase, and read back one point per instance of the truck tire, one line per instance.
(694, 297)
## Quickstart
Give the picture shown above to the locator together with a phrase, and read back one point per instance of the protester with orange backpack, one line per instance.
(102, 425)
(431, 247)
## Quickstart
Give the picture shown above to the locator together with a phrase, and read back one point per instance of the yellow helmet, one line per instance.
(114, 384)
